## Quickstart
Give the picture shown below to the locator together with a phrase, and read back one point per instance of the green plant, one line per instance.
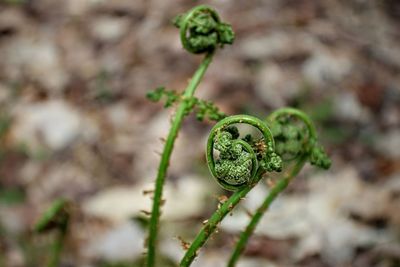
(296, 144)
(56, 218)
(201, 31)
(243, 161)
(237, 162)
(241, 164)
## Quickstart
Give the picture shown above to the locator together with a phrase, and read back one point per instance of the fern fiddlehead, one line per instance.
(238, 160)
(293, 143)
(239, 167)
(201, 31)
(307, 139)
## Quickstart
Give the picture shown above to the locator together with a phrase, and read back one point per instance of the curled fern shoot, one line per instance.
(56, 218)
(238, 159)
(201, 31)
(294, 143)
(239, 167)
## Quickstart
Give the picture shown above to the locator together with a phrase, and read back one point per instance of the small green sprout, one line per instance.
(56, 218)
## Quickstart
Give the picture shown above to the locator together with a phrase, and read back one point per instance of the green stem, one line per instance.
(57, 248)
(169, 144)
(211, 225)
(278, 188)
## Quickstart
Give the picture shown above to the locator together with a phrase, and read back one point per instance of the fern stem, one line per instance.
(212, 224)
(169, 144)
(278, 188)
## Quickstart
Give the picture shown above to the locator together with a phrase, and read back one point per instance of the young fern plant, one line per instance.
(242, 162)
(56, 218)
(296, 143)
(237, 163)
(201, 32)
(240, 165)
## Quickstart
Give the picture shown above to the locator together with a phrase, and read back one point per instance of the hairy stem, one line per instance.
(169, 144)
(278, 188)
(211, 225)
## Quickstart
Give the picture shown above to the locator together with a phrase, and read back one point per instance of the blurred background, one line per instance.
(74, 123)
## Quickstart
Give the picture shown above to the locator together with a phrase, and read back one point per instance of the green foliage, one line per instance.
(233, 171)
(272, 161)
(240, 159)
(296, 140)
(207, 109)
(157, 94)
(55, 217)
(234, 163)
(288, 138)
(319, 158)
(287, 135)
(203, 109)
(202, 31)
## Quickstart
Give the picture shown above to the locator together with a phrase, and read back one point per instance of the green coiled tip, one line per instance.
(201, 30)
(234, 163)
(294, 140)
(240, 159)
